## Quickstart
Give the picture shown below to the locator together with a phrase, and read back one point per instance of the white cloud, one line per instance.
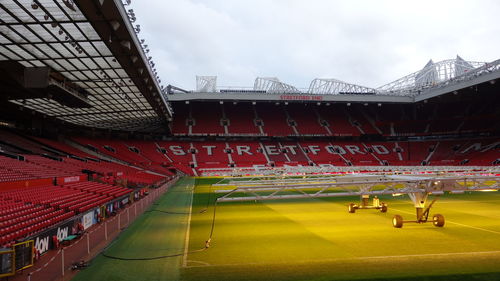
(365, 42)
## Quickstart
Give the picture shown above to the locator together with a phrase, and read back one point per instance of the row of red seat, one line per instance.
(205, 118)
(144, 178)
(25, 221)
(21, 142)
(28, 230)
(10, 219)
(31, 209)
(8, 208)
(99, 188)
(90, 202)
(243, 154)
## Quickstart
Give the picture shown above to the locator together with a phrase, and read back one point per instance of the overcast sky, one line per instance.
(370, 43)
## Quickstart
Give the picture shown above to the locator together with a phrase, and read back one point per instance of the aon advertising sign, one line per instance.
(45, 240)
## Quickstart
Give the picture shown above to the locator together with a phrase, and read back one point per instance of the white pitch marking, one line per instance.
(186, 241)
(478, 228)
(199, 262)
(355, 258)
(461, 224)
(429, 255)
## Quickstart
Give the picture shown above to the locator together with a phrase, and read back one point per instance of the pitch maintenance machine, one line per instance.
(418, 188)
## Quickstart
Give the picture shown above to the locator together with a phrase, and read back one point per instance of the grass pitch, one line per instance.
(308, 239)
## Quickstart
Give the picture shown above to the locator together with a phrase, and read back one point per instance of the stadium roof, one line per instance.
(96, 72)
(432, 80)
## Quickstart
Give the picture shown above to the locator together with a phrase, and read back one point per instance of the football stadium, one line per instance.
(108, 174)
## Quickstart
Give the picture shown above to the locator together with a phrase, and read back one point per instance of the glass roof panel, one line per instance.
(49, 36)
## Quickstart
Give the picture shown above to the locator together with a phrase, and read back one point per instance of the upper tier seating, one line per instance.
(275, 120)
(308, 122)
(207, 118)
(241, 118)
(180, 123)
(338, 119)
(20, 142)
(27, 170)
(63, 147)
(148, 150)
(115, 149)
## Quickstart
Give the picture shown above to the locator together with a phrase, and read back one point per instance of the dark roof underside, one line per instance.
(56, 34)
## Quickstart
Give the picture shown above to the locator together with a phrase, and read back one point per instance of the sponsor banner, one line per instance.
(300, 97)
(71, 179)
(96, 216)
(88, 220)
(109, 209)
(66, 180)
(44, 241)
(124, 201)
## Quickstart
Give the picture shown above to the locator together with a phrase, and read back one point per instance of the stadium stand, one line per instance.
(247, 153)
(180, 124)
(207, 119)
(275, 121)
(303, 119)
(111, 130)
(214, 154)
(30, 170)
(337, 122)
(30, 210)
(241, 118)
(306, 117)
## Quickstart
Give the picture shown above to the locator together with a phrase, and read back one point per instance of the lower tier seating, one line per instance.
(26, 211)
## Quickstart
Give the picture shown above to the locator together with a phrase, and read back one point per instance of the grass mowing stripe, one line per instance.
(186, 241)
(152, 234)
(354, 258)
(311, 239)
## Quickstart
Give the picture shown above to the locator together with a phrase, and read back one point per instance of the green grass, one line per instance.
(316, 239)
(309, 239)
(153, 234)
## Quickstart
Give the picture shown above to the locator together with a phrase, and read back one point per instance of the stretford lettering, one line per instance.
(298, 97)
(290, 149)
(341, 149)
